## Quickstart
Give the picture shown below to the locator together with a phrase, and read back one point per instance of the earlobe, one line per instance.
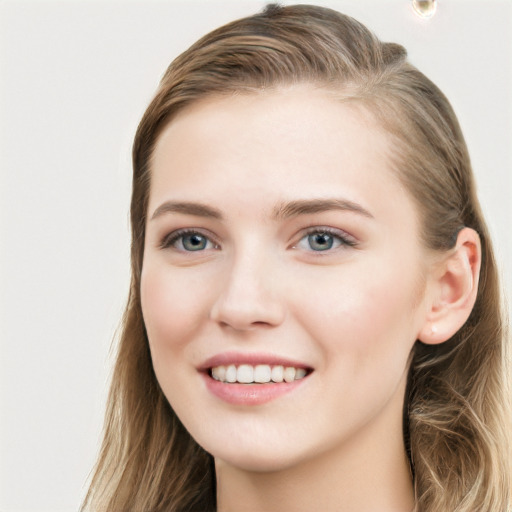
(454, 288)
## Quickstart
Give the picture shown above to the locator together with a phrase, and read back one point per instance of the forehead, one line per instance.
(275, 145)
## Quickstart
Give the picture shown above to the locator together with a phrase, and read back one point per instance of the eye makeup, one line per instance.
(325, 239)
(188, 240)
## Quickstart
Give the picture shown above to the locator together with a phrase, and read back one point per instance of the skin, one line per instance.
(352, 312)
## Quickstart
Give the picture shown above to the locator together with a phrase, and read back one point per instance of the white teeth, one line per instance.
(245, 374)
(289, 374)
(300, 373)
(261, 373)
(231, 373)
(277, 373)
(219, 373)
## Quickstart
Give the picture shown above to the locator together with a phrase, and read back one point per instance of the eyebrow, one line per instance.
(309, 206)
(188, 208)
(281, 212)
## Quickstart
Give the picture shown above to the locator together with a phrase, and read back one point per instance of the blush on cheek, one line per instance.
(363, 317)
(171, 313)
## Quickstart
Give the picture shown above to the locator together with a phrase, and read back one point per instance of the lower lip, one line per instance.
(250, 394)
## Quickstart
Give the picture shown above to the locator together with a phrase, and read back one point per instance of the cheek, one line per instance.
(172, 307)
(174, 310)
(365, 310)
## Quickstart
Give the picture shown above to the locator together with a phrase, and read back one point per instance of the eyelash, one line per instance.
(171, 239)
(344, 239)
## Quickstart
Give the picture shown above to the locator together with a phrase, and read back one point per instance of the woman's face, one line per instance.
(278, 236)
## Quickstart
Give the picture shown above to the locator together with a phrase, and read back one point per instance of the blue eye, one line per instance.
(194, 242)
(322, 240)
(188, 241)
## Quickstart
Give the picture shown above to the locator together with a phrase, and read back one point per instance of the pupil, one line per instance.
(320, 241)
(194, 242)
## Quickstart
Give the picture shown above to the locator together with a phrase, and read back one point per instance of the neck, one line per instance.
(368, 473)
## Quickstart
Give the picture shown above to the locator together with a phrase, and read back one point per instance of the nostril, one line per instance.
(244, 321)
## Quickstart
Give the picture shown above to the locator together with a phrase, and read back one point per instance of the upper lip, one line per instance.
(238, 358)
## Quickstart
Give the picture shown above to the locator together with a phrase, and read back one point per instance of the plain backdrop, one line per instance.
(75, 78)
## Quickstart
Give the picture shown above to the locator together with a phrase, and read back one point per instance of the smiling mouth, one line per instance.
(257, 374)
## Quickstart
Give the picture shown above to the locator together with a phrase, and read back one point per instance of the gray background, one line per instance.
(75, 79)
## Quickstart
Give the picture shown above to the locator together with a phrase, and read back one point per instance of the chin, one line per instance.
(264, 458)
(255, 462)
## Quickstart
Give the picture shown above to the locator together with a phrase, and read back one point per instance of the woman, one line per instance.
(314, 320)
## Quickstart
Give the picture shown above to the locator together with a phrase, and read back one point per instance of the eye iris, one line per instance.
(194, 242)
(320, 241)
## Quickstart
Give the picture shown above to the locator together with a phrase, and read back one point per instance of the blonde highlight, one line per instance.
(456, 412)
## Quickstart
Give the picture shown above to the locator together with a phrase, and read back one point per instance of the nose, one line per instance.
(250, 296)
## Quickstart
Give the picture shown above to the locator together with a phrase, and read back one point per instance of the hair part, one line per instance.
(455, 411)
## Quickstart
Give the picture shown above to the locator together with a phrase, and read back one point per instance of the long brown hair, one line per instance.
(455, 413)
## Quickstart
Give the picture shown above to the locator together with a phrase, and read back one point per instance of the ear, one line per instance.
(454, 287)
